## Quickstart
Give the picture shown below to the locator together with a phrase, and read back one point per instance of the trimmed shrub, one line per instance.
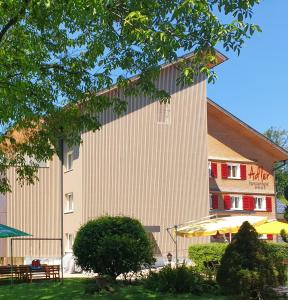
(179, 280)
(112, 246)
(248, 266)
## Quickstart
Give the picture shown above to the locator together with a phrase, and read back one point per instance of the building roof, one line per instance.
(280, 153)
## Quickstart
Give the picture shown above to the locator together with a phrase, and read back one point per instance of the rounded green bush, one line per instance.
(112, 246)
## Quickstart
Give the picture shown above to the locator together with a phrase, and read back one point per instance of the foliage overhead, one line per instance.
(280, 137)
(112, 246)
(55, 56)
(248, 267)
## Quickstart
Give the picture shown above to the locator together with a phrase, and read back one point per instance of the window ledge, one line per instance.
(68, 212)
(235, 208)
(235, 178)
(262, 209)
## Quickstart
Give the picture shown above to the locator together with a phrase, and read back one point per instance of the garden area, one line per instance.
(119, 251)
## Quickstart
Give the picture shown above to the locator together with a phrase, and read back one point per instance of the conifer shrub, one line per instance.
(248, 268)
(112, 246)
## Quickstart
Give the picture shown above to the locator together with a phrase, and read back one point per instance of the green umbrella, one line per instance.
(6, 231)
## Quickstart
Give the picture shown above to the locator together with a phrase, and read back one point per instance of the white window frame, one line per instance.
(209, 169)
(263, 203)
(69, 199)
(238, 175)
(68, 166)
(210, 200)
(240, 202)
(69, 242)
(163, 113)
(262, 236)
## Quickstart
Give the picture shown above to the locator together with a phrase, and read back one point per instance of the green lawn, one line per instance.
(74, 289)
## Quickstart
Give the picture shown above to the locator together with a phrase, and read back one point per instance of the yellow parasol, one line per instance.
(271, 227)
(219, 225)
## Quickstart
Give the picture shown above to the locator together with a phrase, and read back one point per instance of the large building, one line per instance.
(150, 164)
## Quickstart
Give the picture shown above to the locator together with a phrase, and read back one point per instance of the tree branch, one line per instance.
(14, 20)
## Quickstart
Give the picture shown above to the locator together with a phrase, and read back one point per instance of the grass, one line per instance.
(74, 289)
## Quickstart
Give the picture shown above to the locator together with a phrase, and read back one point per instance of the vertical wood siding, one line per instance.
(35, 209)
(154, 172)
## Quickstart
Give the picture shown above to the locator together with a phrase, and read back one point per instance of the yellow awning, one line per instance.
(219, 225)
(272, 227)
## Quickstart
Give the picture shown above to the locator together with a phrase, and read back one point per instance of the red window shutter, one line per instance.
(224, 169)
(227, 202)
(243, 172)
(268, 203)
(214, 169)
(252, 203)
(215, 201)
(270, 237)
(248, 203)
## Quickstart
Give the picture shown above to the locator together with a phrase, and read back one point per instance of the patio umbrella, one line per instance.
(6, 231)
(219, 225)
(272, 227)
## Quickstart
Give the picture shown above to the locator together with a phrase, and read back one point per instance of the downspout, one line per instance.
(275, 182)
(61, 156)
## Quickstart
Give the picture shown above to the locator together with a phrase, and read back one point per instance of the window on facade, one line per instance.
(234, 171)
(69, 241)
(260, 203)
(209, 169)
(236, 202)
(163, 113)
(69, 202)
(69, 161)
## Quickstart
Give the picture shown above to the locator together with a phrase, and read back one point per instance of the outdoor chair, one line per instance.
(23, 273)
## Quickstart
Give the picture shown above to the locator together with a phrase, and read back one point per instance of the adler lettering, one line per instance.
(258, 174)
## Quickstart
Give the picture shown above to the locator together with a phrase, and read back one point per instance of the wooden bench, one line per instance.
(5, 271)
(25, 273)
(53, 272)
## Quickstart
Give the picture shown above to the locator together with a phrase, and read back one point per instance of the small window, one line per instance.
(209, 169)
(236, 202)
(69, 242)
(163, 113)
(234, 171)
(260, 203)
(69, 202)
(69, 161)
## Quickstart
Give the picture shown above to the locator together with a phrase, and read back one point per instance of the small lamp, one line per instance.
(169, 257)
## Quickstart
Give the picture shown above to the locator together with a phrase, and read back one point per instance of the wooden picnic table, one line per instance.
(28, 273)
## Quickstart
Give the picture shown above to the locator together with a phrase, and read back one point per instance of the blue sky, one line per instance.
(254, 86)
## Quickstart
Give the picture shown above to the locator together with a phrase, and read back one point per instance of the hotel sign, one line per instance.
(258, 177)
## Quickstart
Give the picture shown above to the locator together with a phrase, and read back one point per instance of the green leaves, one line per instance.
(55, 56)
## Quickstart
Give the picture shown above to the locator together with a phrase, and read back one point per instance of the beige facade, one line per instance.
(150, 164)
(241, 166)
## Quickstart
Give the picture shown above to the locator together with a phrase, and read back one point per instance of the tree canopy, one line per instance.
(280, 137)
(55, 56)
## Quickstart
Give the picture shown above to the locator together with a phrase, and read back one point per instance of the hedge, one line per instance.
(206, 252)
(214, 251)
